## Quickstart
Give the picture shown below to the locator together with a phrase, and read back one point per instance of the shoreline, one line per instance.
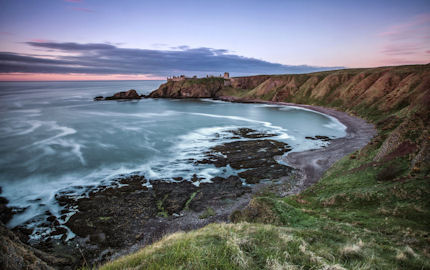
(308, 167)
(312, 164)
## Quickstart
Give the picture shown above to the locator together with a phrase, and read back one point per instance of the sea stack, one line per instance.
(130, 94)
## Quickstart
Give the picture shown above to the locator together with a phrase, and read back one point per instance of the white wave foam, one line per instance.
(336, 124)
(138, 115)
(59, 139)
(33, 126)
(282, 131)
(131, 128)
(52, 125)
(213, 100)
(268, 106)
(75, 149)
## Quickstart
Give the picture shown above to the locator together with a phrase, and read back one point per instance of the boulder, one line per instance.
(130, 94)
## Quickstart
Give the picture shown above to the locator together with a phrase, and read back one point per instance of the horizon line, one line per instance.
(165, 79)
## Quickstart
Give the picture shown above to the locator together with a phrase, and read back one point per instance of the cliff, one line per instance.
(384, 88)
(397, 99)
(190, 88)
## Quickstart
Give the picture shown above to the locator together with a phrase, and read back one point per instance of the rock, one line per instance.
(6, 213)
(249, 133)
(17, 255)
(318, 137)
(58, 231)
(219, 190)
(118, 217)
(130, 94)
(189, 88)
(256, 156)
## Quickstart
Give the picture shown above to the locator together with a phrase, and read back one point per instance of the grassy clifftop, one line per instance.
(371, 210)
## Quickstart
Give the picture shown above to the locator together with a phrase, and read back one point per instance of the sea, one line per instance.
(54, 138)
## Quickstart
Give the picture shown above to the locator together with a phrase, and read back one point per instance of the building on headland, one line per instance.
(226, 76)
(176, 78)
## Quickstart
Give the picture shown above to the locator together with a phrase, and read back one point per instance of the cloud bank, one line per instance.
(103, 58)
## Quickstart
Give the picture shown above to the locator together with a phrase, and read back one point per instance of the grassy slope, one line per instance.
(371, 210)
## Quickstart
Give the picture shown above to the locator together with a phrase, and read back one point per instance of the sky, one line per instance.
(137, 39)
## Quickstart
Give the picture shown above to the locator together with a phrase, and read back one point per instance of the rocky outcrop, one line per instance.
(189, 88)
(14, 254)
(130, 94)
(254, 157)
(117, 217)
(6, 212)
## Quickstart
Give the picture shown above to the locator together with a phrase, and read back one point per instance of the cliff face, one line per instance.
(382, 89)
(396, 99)
(190, 88)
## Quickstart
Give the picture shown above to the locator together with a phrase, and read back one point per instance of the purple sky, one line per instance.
(110, 39)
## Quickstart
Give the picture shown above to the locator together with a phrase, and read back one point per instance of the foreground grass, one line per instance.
(264, 246)
(378, 226)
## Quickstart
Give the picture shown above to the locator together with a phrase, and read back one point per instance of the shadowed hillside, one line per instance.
(369, 211)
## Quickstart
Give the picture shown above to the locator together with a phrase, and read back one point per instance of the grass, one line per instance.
(162, 212)
(209, 212)
(187, 203)
(362, 214)
(264, 246)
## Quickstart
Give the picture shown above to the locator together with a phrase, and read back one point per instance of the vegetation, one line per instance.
(207, 213)
(162, 212)
(371, 210)
(187, 203)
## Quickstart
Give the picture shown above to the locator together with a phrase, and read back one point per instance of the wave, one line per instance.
(52, 125)
(138, 115)
(213, 100)
(282, 131)
(336, 124)
(33, 126)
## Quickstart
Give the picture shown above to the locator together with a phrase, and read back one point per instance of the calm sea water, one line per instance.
(55, 138)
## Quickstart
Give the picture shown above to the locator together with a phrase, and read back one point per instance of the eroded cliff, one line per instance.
(396, 99)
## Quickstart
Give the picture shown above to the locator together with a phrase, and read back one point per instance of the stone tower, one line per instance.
(226, 75)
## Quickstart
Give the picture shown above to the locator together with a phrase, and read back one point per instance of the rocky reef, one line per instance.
(127, 95)
(134, 211)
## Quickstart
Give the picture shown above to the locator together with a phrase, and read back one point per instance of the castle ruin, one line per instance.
(226, 76)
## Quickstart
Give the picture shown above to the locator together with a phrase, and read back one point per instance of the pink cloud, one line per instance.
(402, 48)
(73, 77)
(6, 33)
(82, 9)
(407, 43)
(418, 25)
